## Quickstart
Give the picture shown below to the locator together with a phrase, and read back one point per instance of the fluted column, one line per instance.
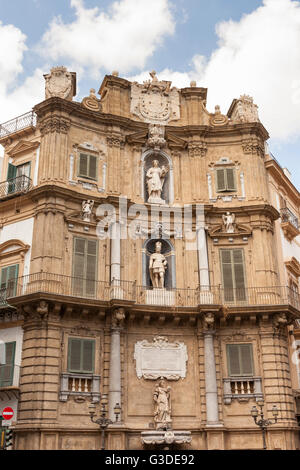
(211, 389)
(115, 362)
(115, 253)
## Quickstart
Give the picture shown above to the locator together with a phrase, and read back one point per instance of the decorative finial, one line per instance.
(193, 83)
(115, 73)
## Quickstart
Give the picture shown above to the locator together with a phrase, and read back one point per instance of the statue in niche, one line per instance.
(162, 407)
(155, 181)
(157, 267)
(228, 220)
(87, 208)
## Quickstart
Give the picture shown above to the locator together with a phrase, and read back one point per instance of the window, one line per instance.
(233, 274)
(8, 282)
(225, 179)
(22, 173)
(7, 369)
(87, 166)
(84, 266)
(240, 360)
(81, 354)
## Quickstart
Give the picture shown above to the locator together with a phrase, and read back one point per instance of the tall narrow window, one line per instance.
(87, 166)
(7, 369)
(84, 267)
(233, 274)
(9, 279)
(225, 180)
(81, 353)
(240, 360)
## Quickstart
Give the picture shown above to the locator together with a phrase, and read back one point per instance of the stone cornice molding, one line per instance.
(53, 124)
(293, 266)
(17, 247)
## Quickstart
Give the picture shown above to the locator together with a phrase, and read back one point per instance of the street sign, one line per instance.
(8, 413)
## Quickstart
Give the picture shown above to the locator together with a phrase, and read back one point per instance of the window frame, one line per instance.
(230, 374)
(17, 265)
(88, 155)
(234, 288)
(84, 278)
(81, 370)
(226, 190)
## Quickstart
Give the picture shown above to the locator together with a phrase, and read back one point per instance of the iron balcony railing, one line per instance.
(288, 216)
(61, 285)
(13, 187)
(17, 124)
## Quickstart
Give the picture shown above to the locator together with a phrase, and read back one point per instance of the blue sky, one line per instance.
(231, 47)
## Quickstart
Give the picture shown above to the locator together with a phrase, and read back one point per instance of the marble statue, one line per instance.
(157, 267)
(87, 208)
(229, 220)
(155, 181)
(162, 407)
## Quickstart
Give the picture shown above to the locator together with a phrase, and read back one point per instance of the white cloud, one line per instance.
(11, 53)
(258, 55)
(122, 39)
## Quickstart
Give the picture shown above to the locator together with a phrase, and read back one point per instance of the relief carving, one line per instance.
(61, 83)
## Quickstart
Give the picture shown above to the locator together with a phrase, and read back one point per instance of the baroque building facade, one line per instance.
(142, 259)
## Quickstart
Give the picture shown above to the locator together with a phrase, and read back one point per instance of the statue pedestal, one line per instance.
(160, 297)
(166, 437)
(156, 200)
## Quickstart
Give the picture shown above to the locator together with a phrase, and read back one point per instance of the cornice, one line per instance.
(277, 172)
(266, 209)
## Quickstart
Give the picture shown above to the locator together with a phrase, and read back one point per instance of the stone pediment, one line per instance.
(175, 142)
(13, 247)
(239, 231)
(293, 266)
(138, 138)
(22, 147)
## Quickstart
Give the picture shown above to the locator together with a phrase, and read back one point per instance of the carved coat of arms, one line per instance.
(59, 82)
(155, 102)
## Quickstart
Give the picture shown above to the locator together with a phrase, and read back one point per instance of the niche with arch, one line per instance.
(167, 250)
(163, 159)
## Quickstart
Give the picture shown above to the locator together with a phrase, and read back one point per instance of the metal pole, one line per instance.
(264, 438)
(103, 439)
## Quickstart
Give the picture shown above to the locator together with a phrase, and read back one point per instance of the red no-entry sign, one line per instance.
(7, 413)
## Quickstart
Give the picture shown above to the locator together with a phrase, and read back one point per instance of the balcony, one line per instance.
(242, 389)
(289, 224)
(22, 123)
(80, 386)
(92, 291)
(15, 187)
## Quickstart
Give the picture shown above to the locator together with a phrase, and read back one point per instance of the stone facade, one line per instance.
(86, 281)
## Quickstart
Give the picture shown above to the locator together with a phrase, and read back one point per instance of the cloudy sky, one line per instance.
(231, 47)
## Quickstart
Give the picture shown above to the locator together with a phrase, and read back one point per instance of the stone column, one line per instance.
(202, 252)
(115, 362)
(211, 390)
(115, 253)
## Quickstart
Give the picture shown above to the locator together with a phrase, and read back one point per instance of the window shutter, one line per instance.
(4, 277)
(91, 267)
(83, 165)
(11, 171)
(227, 273)
(233, 359)
(88, 356)
(7, 370)
(239, 276)
(230, 179)
(93, 167)
(74, 352)
(221, 183)
(246, 359)
(9, 279)
(84, 266)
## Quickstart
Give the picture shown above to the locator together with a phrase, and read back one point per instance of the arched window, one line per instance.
(163, 170)
(167, 250)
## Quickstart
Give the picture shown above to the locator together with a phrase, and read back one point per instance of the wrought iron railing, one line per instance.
(288, 216)
(12, 187)
(17, 124)
(57, 284)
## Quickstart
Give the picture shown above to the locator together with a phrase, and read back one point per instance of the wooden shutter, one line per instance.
(239, 277)
(246, 359)
(88, 355)
(81, 355)
(221, 180)
(91, 267)
(84, 267)
(74, 355)
(227, 275)
(233, 359)
(9, 279)
(11, 171)
(240, 360)
(7, 370)
(83, 165)
(230, 179)
(92, 167)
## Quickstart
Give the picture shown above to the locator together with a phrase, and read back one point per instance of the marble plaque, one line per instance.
(160, 359)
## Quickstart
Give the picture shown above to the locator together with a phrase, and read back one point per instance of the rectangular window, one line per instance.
(240, 360)
(84, 266)
(8, 281)
(7, 369)
(81, 354)
(87, 166)
(233, 275)
(225, 180)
